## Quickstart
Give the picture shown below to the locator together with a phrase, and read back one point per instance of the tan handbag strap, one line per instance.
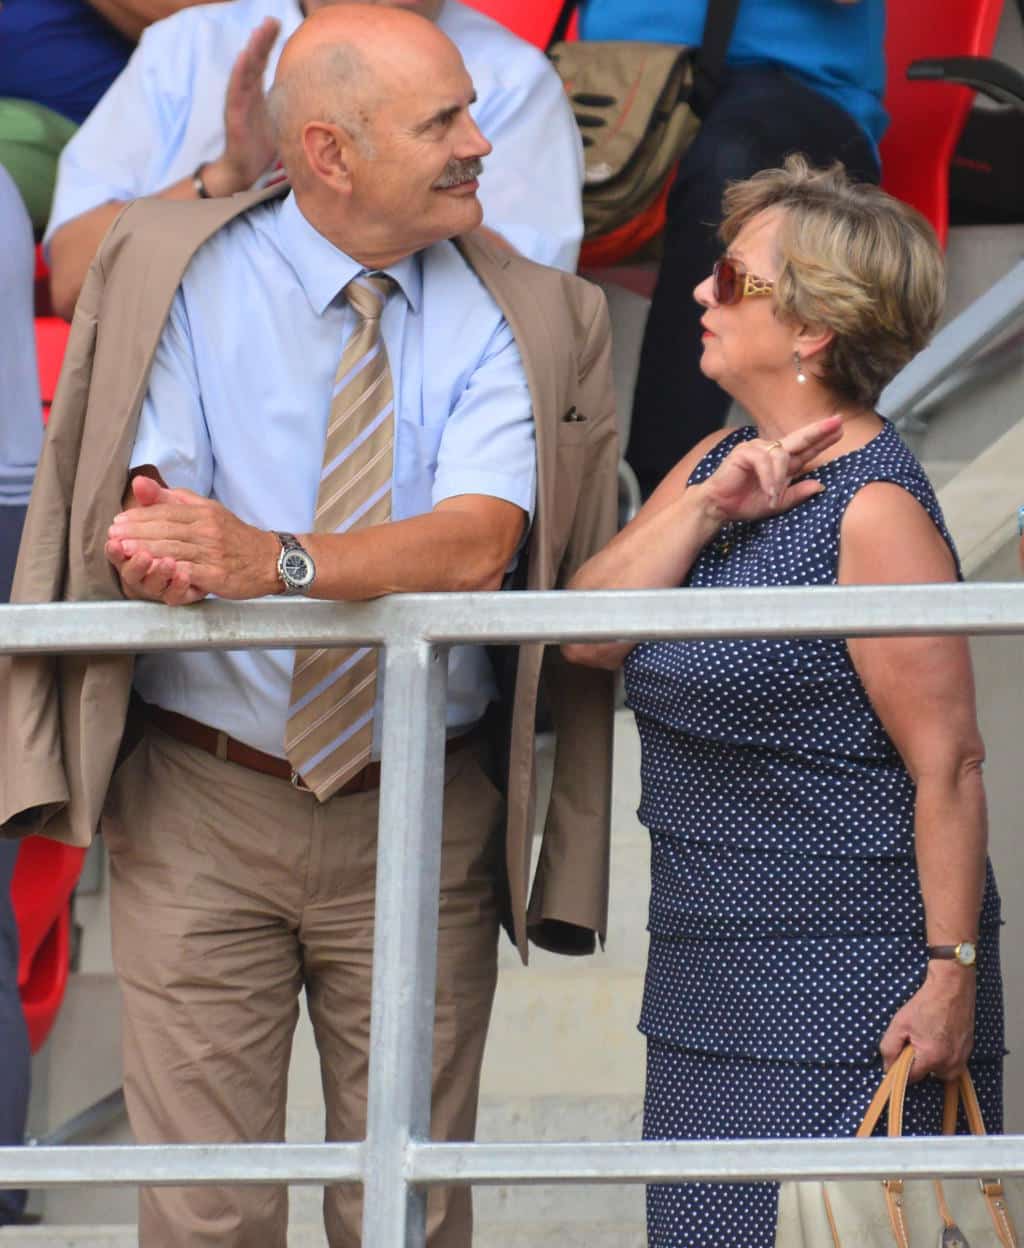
(969, 1099)
(892, 1088)
(892, 1091)
(949, 1107)
(959, 1091)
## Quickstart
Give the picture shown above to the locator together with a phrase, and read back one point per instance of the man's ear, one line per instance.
(328, 151)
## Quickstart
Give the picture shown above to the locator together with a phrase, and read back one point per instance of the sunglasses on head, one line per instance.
(731, 282)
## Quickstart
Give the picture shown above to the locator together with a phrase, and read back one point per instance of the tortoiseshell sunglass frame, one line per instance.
(738, 281)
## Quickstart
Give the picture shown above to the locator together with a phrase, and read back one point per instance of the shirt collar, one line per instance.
(324, 270)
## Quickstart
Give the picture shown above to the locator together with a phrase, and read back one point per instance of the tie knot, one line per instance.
(368, 294)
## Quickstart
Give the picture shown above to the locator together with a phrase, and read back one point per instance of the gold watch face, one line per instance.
(966, 953)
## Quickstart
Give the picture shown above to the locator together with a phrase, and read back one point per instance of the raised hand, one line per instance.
(249, 142)
(176, 547)
(755, 479)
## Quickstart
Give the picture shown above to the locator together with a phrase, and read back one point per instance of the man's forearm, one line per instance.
(465, 543)
(73, 246)
(443, 550)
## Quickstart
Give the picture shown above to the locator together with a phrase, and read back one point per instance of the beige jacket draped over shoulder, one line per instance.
(63, 716)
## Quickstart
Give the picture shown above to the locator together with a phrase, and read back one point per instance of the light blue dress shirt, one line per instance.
(237, 409)
(164, 115)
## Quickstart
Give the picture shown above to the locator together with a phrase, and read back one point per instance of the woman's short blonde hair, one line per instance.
(853, 260)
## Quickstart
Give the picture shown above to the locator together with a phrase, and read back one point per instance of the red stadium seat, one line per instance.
(532, 20)
(44, 878)
(926, 117)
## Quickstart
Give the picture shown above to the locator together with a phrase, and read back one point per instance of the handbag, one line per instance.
(638, 107)
(898, 1213)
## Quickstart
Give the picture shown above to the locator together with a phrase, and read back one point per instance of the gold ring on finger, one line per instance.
(775, 446)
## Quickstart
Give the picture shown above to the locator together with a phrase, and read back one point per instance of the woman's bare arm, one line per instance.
(922, 689)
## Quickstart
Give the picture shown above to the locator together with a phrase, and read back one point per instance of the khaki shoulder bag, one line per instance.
(905, 1213)
(638, 107)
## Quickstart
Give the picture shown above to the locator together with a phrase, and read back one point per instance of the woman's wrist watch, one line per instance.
(965, 952)
(295, 567)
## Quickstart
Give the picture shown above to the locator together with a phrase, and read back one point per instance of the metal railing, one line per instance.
(397, 1162)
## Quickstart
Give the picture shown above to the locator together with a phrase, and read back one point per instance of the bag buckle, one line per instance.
(953, 1237)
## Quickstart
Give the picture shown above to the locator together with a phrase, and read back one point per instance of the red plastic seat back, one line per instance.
(926, 117)
(532, 20)
(43, 991)
(45, 875)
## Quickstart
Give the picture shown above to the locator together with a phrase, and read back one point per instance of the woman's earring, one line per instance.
(801, 376)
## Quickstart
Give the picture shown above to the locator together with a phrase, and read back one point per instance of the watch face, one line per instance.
(297, 567)
(965, 953)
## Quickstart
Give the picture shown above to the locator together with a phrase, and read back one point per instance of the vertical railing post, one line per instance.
(405, 940)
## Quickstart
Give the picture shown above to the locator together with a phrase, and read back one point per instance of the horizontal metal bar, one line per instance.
(431, 1164)
(715, 1160)
(108, 627)
(126, 1165)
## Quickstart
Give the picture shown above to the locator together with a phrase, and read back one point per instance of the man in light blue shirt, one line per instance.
(231, 888)
(165, 119)
(463, 424)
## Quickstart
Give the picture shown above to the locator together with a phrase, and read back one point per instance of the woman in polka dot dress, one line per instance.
(815, 806)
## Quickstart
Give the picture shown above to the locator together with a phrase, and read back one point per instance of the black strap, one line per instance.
(707, 69)
(561, 27)
(708, 65)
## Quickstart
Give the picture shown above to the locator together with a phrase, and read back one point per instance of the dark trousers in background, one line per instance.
(760, 115)
(14, 1050)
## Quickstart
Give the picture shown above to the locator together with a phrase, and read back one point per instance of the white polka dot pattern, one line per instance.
(786, 918)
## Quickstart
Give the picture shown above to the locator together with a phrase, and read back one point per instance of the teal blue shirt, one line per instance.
(835, 48)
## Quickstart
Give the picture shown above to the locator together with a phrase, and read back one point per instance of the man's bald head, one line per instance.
(339, 64)
(371, 106)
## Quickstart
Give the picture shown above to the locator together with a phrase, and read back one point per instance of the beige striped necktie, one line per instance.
(329, 731)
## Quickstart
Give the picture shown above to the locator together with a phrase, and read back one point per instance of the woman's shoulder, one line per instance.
(887, 495)
(884, 457)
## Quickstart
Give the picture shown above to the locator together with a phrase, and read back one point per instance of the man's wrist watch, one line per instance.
(965, 952)
(295, 566)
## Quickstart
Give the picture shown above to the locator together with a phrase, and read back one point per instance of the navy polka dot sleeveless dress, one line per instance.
(786, 922)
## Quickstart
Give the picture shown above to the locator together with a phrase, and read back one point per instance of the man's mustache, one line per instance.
(458, 171)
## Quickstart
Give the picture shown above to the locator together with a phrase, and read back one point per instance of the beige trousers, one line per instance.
(231, 893)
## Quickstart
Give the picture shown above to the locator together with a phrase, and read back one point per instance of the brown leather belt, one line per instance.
(220, 745)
